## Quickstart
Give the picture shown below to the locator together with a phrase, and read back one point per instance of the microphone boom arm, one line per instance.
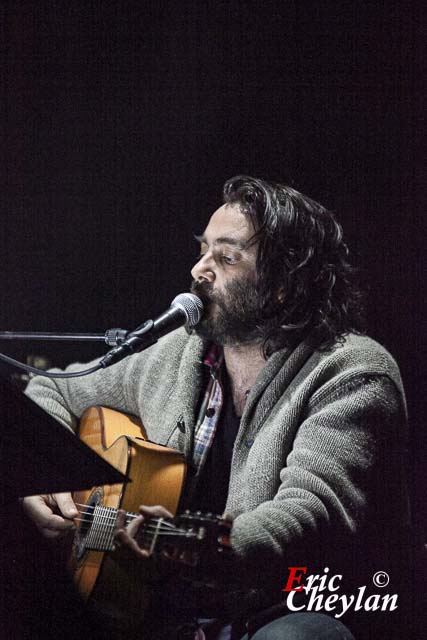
(112, 337)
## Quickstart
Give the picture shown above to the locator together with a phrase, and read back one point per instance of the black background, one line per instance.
(121, 121)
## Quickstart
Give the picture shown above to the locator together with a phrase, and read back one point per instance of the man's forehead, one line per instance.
(228, 224)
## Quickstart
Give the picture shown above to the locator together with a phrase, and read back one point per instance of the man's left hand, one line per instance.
(126, 536)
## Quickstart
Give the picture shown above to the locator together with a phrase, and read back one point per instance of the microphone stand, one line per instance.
(112, 337)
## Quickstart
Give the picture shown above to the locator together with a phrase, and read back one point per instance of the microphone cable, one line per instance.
(48, 374)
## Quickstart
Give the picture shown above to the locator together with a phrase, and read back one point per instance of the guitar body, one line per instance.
(108, 582)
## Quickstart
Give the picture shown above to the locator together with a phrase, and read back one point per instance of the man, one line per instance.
(290, 419)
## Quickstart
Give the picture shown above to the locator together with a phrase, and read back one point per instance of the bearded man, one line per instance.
(292, 421)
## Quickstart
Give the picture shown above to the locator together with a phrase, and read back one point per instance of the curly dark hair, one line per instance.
(307, 287)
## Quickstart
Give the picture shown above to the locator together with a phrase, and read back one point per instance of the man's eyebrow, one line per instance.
(223, 240)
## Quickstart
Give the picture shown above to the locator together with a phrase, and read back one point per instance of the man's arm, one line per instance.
(345, 468)
(66, 400)
(342, 471)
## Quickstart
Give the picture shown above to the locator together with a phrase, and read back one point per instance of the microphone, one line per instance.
(185, 309)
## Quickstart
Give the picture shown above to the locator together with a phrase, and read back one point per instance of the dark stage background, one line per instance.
(122, 120)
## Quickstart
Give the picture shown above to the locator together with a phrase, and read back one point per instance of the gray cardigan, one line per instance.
(317, 460)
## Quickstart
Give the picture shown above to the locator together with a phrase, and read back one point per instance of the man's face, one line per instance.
(225, 279)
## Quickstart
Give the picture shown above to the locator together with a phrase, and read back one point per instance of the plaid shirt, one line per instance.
(209, 413)
(210, 408)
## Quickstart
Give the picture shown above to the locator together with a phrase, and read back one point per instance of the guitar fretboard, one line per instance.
(100, 535)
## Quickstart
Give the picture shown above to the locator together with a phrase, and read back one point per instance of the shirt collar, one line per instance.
(213, 356)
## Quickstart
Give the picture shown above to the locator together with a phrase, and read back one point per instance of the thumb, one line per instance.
(66, 505)
(155, 512)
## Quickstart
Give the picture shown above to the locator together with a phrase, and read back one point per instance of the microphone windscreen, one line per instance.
(191, 305)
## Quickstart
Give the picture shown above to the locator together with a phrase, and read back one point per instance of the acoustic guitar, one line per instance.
(157, 474)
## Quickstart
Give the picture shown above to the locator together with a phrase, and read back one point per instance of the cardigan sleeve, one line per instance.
(66, 399)
(344, 468)
(141, 384)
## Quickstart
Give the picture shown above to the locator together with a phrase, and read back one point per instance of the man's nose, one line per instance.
(203, 270)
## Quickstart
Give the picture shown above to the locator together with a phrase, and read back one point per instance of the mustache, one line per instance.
(204, 290)
(206, 293)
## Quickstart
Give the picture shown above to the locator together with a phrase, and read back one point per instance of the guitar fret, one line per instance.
(103, 528)
(97, 531)
(100, 536)
(110, 532)
(101, 533)
(91, 533)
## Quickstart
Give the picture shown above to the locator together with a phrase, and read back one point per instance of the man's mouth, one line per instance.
(204, 291)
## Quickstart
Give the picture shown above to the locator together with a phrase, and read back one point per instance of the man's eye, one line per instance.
(228, 259)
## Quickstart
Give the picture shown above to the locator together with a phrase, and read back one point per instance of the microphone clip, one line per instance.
(135, 341)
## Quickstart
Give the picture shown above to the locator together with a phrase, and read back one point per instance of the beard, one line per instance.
(233, 316)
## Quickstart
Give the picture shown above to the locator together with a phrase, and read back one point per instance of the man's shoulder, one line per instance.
(359, 354)
(176, 347)
(360, 348)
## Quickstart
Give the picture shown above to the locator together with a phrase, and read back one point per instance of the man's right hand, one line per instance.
(52, 514)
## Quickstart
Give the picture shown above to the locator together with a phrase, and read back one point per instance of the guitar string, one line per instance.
(111, 520)
(129, 515)
(103, 519)
(94, 506)
(147, 529)
(106, 531)
(150, 529)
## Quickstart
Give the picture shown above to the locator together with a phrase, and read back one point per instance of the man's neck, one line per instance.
(243, 363)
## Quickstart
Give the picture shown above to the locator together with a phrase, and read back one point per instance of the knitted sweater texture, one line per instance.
(317, 462)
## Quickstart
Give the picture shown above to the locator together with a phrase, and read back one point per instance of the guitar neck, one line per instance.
(100, 534)
(181, 538)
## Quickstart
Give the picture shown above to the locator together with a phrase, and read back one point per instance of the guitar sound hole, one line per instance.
(87, 516)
